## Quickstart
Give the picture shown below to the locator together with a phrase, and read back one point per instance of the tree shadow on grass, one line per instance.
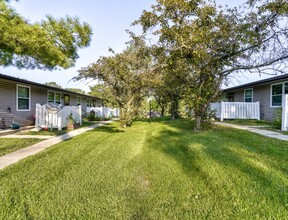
(186, 147)
(108, 129)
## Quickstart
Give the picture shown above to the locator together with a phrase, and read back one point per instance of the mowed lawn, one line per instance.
(9, 145)
(161, 170)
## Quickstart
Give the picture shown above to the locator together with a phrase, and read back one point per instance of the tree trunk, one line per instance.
(125, 117)
(162, 110)
(174, 109)
(198, 120)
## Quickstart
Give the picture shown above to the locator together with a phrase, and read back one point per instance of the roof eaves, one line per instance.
(259, 82)
(43, 85)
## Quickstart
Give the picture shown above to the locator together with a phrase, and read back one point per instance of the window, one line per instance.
(57, 98)
(230, 97)
(88, 103)
(23, 98)
(54, 97)
(78, 101)
(276, 94)
(66, 100)
(248, 95)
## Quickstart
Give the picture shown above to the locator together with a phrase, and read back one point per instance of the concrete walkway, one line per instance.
(14, 157)
(254, 129)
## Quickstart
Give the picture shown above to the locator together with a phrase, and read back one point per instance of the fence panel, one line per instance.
(104, 112)
(44, 118)
(237, 110)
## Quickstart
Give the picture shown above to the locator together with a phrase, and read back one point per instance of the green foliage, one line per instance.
(201, 44)
(103, 91)
(277, 122)
(77, 90)
(53, 84)
(91, 116)
(47, 44)
(161, 170)
(125, 75)
(70, 119)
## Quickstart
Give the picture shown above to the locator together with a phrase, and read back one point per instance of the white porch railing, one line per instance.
(284, 125)
(44, 118)
(236, 110)
(104, 112)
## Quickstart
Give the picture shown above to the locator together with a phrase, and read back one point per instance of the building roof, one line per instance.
(2, 76)
(259, 82)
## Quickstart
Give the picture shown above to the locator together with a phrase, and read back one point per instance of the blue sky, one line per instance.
(108, 18)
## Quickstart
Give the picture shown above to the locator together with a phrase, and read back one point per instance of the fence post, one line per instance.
(37, 115)
(258, 110)
(284, 112)
(221, 111)
(80, 115)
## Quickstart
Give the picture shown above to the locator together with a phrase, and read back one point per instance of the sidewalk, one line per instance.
(14, 157)
(254, 129)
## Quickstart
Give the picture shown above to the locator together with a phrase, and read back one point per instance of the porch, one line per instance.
(236, 110)
(56, 117)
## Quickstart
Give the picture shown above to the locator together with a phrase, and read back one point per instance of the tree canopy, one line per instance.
(47, 44)
(199, 44)
(77, 90)
(204, 43)
(53, 84)
(126, 75)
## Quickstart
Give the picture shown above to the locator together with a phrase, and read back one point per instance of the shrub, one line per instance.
(91, 116)
(277, 123)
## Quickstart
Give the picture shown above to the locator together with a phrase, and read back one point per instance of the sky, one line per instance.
(109, 20)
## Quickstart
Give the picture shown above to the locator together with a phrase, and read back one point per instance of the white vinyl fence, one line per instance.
(104, 112)
(46, 118)
(284, 126)
(236, 110)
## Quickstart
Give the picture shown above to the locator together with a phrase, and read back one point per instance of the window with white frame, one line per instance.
(248, 95)
(54, 97)
(78, 101)
(277, 91)
(89, 103)
(23, 98)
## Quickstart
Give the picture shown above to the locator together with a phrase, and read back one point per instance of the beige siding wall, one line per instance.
(7, 99)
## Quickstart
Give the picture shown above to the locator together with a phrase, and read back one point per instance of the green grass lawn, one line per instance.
(9, 145)
(161, 170)
(250, 122)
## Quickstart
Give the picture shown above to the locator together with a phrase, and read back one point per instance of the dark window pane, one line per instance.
(248, 93)
(50, 96)
(78, 101)
(277, 100)
(66, 100)
(23, 92)
(248, 99)
(277, 89)
(57, 98)
(230, 97)
(23, 104)
(286, 88)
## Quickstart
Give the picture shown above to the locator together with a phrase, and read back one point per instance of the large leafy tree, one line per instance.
(204, 43)
(77, 90)
(126, 75)
(47, 44)
(54, 84)
(103, 91)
